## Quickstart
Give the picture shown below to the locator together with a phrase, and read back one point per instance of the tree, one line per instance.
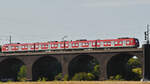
(134, 63)
(22, 73)
(134, 69)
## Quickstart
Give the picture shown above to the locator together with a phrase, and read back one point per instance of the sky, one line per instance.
(50, 20)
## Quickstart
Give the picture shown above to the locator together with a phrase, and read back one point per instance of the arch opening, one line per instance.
(46, 67)
(84, 63)
(125, 66)
(9, 69)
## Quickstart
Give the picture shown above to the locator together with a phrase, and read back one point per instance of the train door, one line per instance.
(124, 43)
(112, 43)
(90, 44)
(102, 44)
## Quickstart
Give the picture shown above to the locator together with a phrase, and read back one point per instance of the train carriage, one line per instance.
(72, 45)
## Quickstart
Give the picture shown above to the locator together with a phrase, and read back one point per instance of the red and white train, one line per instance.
(72, 45)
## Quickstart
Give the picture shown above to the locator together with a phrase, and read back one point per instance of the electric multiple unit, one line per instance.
(72, 45)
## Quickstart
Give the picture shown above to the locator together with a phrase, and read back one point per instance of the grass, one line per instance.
(80, 82)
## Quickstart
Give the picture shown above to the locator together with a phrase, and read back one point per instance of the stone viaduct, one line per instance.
(37, 62)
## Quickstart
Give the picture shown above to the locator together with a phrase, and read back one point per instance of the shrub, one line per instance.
(66, 77)
(137, 73)
(96, 71)
(59, 77)
(21, 76)
(117, 77)
(83, 76)
(90, 76)
(43, 79)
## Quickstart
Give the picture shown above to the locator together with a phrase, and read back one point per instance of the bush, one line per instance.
(117, 77)
(96, 71)
(134, 63)
(90, 76)
(59, 77)
(43, 79)
(137, 73)
(21, 76)
(83, 76)
(66, 77)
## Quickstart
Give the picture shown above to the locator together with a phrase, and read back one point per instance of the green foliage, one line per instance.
(66, 77)
(96, 71)
(134, 63)
(138, 73)
(59, 77)
(22, 73)
(134, 69)
(83, 76)
(43, 79)
(117, 77)
(90, 76)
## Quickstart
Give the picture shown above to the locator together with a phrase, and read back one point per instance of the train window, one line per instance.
(98, 43)
(105, 43)
(17, 47)
(116, 42)
(12, 47)
(136, 41)
(120, 42)
(93, 43)
(42, 45)
(66, 44)
(128, 42)
(32, 46)
(26, 46)
(109, 43)
(52, 45)
(85, 44)
(37, 46)
(46, 45)
(6, 47)
(23, 46)
(76, 44)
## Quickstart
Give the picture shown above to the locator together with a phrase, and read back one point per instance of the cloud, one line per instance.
(115, 3)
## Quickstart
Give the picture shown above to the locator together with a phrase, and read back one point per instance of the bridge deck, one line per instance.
(72, 52)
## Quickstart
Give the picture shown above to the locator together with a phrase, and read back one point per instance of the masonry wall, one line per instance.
(66, 58)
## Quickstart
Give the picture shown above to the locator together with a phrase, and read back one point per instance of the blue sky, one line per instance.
(46, 20)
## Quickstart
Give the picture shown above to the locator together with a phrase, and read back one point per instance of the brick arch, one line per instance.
(47, 66)
(75, 59)
(15, 58)
(118, 57)
(129, 54)
(11, 67)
